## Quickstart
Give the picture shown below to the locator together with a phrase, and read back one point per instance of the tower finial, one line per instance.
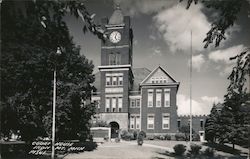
(117, 4)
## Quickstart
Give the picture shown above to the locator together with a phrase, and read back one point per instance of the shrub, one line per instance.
(141, 136)
(106, 138)
(150, 137)
(196, 137)
(133, 134)
(142, 133)
(162, 137)
(179, 149)
(167, 137)
(194, 149)
(125, 135)
(117, 139)
(180, 137)
(157, 137)
(209, 152)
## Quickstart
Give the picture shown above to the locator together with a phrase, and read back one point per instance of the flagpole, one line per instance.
(191, 53)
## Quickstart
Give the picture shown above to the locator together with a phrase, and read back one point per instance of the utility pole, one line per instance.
(54, 117)
(58, 52)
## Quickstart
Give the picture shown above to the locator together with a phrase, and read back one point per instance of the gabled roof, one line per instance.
(159, 75)
(139, 75)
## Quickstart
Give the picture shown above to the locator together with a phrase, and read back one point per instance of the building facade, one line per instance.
(132, 98)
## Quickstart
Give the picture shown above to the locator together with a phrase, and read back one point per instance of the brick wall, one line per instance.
(158, 111)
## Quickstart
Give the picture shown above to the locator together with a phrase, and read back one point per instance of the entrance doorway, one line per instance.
(114, 129)
(202, 136)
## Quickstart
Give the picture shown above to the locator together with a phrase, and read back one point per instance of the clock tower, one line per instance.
(116, 75)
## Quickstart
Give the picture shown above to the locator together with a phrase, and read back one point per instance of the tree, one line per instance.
(31, 33)
(212, 125)
(228, 11)
(232, 117)
(186, 130)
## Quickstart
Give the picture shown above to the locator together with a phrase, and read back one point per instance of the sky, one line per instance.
(162, 36)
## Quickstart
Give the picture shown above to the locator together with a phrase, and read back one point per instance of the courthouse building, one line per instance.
(132, 98)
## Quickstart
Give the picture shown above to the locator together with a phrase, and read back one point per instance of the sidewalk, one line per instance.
(123, 150)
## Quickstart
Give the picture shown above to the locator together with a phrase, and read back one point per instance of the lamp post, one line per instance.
(58, 52)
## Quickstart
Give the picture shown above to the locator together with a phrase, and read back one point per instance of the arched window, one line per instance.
(114, 58)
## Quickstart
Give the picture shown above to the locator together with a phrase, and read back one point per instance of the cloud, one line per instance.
(198, 61)
(224, 54)
(175, 25)
(152, 37)
(221, 58)
(135, 8)
(157, 51)
(198, 108)
(211, 100)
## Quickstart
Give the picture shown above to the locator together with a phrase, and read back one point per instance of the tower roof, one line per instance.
(117, 16)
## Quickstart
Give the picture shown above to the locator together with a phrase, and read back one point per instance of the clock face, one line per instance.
(115, 37)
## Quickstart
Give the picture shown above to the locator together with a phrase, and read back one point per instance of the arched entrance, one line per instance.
(114, 129)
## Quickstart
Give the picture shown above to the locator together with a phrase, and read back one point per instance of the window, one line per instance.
(138, 103)
(97, 103)
(201, 123)
(120, 104)
(108, 81)
(135, 103)
(151, 120)
(150, 98)
(165, 121)
(137, 122)
(114, 81)
(179, 123)
(158, 98)
(120, 80)
(118, 58)
(107, 104)
(132, 122)
(114, 59)
(167, 98)
(113, 104)
(132, 103)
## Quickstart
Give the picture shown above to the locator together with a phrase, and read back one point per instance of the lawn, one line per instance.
(152, 149)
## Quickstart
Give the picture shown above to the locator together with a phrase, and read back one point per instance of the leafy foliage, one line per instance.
(179, 149)
(31, 33)
(229, 125)
(212, 125)
(228, 11)
(185, 129)
(232, 118)
(194, 149)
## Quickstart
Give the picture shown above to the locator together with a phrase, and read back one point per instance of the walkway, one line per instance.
(123, 150)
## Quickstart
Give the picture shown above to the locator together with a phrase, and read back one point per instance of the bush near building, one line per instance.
(194, 149)
(179, 149)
